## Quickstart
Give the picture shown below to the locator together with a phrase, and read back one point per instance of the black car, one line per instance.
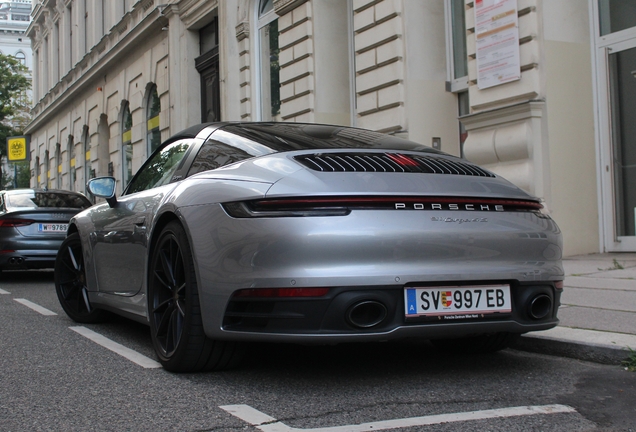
(33, 224)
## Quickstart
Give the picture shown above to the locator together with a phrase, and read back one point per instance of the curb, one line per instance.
(592, 352)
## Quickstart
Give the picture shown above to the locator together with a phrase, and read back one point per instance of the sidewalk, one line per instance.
(597, 313)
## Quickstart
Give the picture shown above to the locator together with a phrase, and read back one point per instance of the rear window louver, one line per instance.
(388, 162)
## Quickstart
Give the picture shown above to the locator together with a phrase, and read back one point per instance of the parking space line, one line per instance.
(115, 347)
(269, 424)
(36, 307)
(4, 292)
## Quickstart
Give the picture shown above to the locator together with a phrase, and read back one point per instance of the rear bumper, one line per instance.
(28, 259)
(329, 318)
(367, 255)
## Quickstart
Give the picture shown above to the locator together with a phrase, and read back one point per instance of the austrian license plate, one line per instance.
(53, 228)
(457, 302)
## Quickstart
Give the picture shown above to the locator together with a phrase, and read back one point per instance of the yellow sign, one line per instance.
(17, 148)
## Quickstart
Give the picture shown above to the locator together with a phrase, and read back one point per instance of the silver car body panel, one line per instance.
(369, 249)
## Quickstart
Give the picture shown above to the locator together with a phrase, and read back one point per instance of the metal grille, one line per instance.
(388, 162)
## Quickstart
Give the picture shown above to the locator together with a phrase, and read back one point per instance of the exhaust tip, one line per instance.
(540, 306)
(366, 314)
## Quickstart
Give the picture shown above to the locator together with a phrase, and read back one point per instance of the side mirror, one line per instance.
(103, 187)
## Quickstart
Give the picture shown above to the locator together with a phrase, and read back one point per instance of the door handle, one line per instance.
(140, 221)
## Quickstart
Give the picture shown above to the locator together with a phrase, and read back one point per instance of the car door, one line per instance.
(119, 238)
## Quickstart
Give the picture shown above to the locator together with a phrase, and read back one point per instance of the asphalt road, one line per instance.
(55, 379)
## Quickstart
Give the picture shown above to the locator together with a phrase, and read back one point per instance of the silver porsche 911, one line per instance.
(287, 232)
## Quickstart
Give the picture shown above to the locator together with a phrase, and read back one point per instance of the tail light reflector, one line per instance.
(15, 222)
(281, 292)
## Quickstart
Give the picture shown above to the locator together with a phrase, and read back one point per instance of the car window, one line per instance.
(161, 166)
(283, 137)
(225, 149)
(33, 199)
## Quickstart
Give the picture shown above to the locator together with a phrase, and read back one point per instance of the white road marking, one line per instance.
(131, 355)
(39, 309)
(4, 292)
(268, 424)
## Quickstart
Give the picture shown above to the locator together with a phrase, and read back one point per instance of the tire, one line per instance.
(486, 343)
(70, 283)
(176, 325)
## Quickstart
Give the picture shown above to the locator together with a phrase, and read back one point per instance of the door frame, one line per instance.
(602, 47)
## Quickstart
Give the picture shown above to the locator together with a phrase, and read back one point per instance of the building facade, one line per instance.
(113, 78)
(15, 17)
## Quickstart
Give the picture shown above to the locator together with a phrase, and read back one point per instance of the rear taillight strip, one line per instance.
(15, 222)
(342, 206)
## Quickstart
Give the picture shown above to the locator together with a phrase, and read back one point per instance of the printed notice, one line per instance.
(497, 36)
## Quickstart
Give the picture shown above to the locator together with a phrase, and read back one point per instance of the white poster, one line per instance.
(497, 36)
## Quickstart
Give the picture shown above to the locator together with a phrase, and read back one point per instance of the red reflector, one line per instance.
(6, 251)
(282, 292)
(402, 160)
(558, 284)
(15, 222)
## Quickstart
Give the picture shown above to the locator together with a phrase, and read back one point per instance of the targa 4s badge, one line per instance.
(458, 220)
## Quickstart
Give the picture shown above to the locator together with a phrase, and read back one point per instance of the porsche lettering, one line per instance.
(450, 206)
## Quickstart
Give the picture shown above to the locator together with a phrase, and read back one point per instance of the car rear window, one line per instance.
(283, 137)
(47, 200)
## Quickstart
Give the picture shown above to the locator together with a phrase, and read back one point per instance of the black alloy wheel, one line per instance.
(176, 324)
(70, 283)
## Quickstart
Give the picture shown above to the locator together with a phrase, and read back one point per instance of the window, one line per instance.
(58, 165)
(47, 168)
(37, 171)
(616, 15)
(44, 66)
(207, 64)
(87, 155)
(160, 168)
(457, 61)
(58, 41)
(153, 108)
(269, 64)
(72, 41)
(457, 53)
(47, 199)
(126, 145)
(20, 57)
(85, 30)
(224, 150)
(70, 149)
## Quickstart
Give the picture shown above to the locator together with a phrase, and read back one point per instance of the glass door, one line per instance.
(622, 74)
(617, 80)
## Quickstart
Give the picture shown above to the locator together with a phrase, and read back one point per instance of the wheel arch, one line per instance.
(160, 223)
(72, 228)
